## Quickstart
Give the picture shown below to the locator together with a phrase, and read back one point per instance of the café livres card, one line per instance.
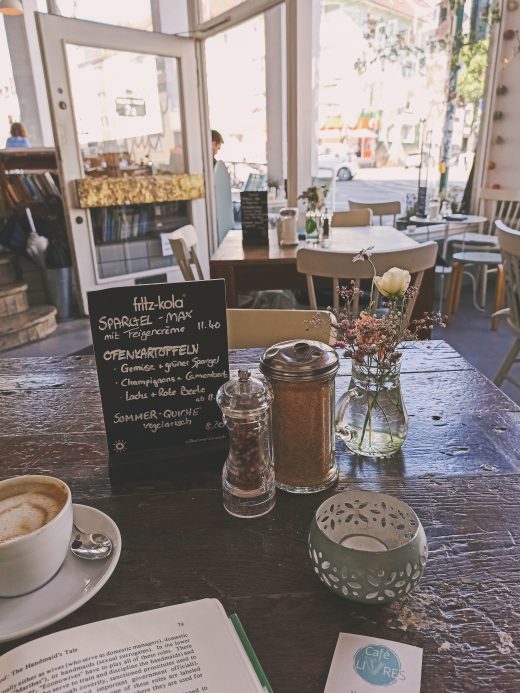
(362, 664)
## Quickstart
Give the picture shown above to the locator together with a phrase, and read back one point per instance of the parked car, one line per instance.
(343, 162)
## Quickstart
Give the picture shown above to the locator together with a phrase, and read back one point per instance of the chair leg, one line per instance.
(500, 294)
(458, 287)
(456, 269)
(507, 363)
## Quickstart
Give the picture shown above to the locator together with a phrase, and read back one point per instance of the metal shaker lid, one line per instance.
(299, 360)
(245, 394)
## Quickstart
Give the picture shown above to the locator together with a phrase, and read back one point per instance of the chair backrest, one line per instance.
(184, 246)
(318, 262)
(263, 328)
(380, 209)
(500, 204)
(357, 217)
(509, 241)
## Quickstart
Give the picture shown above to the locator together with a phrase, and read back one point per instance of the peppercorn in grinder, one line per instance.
(248, 475)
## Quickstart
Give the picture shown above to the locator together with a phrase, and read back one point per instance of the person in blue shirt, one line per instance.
(18, 136)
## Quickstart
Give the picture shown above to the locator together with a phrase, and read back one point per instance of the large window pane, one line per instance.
(136, 14)
(383, 98)
(212, 8)
(235, 65)
(128, 121)
(9, 106)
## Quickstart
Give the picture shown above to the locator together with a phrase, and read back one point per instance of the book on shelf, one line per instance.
(23, 188)
(130, 222)
(186, 648)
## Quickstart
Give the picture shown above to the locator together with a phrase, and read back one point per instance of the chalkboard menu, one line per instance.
(421, 201)
(253, 213)
(161, 355)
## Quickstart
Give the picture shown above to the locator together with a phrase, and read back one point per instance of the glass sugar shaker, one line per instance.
(248, 474)
(302, 375)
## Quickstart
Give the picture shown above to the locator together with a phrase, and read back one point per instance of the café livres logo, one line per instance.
(378, 665)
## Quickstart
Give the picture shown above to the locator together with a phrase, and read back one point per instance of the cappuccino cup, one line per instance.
(35, 531)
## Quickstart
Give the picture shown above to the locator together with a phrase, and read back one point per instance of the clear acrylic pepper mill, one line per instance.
(248, 474)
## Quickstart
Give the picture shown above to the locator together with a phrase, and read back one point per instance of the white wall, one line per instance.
(505, 156)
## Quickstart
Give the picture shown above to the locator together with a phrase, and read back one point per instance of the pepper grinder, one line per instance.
(248, 475)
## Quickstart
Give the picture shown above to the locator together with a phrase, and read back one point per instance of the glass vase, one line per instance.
(313, 224)
(371, 417)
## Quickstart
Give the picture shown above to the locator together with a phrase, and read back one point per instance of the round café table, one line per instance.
(442, 231)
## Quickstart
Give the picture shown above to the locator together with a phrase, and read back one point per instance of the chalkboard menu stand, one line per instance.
(175, 463)
(161, 354)
(254, 219)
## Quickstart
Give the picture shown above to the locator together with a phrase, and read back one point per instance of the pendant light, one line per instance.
(11, 7)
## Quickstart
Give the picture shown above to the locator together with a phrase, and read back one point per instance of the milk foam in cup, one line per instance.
(35, 531)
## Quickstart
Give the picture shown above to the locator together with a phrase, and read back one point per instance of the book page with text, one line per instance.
(185, 648)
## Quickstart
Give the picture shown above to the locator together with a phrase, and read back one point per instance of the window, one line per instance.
(212, 8)
(9, 106)
(136, 14)
(235, 66)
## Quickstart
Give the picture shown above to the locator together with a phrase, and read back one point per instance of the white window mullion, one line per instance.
(301, 101)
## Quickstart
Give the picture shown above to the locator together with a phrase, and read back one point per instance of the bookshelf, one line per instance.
(125, 238)
(29, 177)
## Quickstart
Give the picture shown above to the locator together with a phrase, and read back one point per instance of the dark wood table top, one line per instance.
(459, 469)
(347, 239)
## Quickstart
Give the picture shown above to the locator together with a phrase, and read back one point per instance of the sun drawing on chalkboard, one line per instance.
(119, 446)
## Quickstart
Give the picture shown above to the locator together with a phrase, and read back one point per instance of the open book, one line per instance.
(186, 648)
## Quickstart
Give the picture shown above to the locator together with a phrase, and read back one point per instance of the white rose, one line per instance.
(393, 283)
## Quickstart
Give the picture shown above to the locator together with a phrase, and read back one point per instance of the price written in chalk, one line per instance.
(208, 325)
(212, 425)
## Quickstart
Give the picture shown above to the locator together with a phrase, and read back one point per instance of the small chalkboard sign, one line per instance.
(421, 201)
(161, 354)
(253, 213)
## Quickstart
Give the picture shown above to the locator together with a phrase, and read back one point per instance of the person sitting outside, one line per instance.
(216, 143)
(18, 136)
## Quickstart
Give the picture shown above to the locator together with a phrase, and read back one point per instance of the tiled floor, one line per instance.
(469, 332)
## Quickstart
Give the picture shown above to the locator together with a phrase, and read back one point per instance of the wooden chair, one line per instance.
(356, 217)
(493, 204)
(184, 246)
(484, 262)
(262, 328)
(379, 209)
(480, 250)
(337, 265)
(509, 241)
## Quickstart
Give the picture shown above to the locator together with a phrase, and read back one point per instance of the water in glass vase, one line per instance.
(371, 417)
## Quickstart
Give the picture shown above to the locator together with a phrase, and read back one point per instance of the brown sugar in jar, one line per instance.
(302, 375)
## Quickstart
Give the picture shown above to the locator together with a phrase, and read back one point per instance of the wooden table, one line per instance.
(257, 268)
(459, 469)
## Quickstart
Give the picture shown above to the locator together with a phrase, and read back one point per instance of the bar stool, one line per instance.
(481, 260)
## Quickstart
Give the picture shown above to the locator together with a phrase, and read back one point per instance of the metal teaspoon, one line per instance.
(90, 546)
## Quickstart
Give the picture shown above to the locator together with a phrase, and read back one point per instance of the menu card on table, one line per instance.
(161, 355)
(253, 214)
(362, 664)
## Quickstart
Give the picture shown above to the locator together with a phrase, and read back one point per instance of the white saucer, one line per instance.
(76, 582)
